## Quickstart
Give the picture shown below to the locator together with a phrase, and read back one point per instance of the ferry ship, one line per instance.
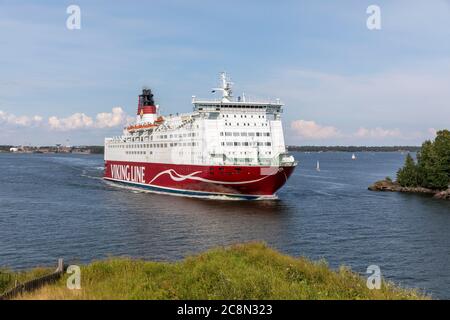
(226, 148)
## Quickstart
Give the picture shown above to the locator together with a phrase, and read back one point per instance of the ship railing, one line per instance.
(277, 160)
(248, 101)
(281, 159)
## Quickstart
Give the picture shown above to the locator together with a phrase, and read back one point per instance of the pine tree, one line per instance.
(434, 162)
(442, 147)
(408, 175)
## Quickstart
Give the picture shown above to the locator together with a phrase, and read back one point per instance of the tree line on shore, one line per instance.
(432, 168)
(53, 149)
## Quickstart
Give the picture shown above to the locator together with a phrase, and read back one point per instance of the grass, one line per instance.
(244, 271)
(9, 279)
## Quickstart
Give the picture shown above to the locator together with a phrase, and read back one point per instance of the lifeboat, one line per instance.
(144, 126)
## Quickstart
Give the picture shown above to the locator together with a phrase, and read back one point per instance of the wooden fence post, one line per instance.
(60, 265)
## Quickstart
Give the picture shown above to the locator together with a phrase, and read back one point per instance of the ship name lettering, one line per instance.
(128, 173)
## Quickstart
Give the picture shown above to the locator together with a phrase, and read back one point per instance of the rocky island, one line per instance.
(430, 174)
(393, 186)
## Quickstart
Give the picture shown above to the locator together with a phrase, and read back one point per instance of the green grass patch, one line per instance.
(245, 271)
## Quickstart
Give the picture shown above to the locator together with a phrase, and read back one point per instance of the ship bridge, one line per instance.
(238, 106)
(241, 104)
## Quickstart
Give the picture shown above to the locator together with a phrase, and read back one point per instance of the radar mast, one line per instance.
(225, 87)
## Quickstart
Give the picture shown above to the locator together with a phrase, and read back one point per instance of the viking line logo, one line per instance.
(129, 173)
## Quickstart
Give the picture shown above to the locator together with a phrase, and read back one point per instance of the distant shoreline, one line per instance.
(100, 149)
(52, 149)
(354, 148)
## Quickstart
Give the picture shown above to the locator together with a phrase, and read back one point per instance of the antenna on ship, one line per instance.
(226, 85)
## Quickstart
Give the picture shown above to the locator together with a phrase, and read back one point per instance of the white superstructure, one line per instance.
(217, 132)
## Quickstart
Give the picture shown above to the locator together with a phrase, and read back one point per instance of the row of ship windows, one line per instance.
(178, 135)
(181, 153)
(193, 134)
(155, 145)
(192, 144)
(245, 134)
(227, 134)
(234, 153)
(151, 152)
(245, 153)
(246, 144)
(242, 116)
(246, 124)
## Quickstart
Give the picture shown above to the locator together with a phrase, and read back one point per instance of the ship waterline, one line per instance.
(228, 147)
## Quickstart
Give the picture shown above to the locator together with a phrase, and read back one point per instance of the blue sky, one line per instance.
(342, 83)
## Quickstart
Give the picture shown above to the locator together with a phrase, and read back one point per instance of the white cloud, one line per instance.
(115, 118)
(312, 130)
(377, 133)
(309, 131)
(21, 121)
(73, 122)
(108, 120)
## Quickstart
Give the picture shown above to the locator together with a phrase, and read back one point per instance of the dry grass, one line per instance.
(9, 279)
(247, 271)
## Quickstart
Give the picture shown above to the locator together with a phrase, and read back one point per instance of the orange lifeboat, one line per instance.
(145, 125)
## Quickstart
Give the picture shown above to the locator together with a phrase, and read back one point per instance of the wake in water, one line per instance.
(89, 167)
(85, 174)
(205, 197)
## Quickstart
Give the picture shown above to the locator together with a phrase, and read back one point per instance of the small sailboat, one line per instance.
(353, 157)
(318, 166)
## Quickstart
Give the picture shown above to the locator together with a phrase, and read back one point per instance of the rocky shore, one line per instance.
(393, 186)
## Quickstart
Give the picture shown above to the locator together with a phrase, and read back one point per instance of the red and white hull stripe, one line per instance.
(247, 182)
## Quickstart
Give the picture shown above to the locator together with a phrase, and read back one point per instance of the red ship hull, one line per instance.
(245, 182)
